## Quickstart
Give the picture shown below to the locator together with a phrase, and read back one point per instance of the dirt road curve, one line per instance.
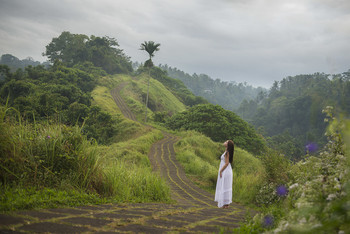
(194, 212)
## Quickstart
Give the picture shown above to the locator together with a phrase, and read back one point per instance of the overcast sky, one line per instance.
(251, 41)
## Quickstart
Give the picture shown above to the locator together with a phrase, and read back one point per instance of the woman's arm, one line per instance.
(227, 162)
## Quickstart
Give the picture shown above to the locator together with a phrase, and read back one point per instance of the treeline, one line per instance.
(59, 94)
(62, 91)
(103, 52)
(227, 94)
(291, 114)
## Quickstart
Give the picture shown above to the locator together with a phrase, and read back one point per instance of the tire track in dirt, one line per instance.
(163, 159)
(121, 103)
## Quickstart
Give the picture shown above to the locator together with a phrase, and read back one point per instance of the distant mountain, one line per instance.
(15, 63)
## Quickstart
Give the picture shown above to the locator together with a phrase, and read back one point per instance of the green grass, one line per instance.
(132, 151)
(200, 158)
(102, 98)
(248, 175)
(24, 198)
(127, 129)
(160, 98)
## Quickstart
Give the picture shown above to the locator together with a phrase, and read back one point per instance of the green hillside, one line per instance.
(160, 98)
(196, 152)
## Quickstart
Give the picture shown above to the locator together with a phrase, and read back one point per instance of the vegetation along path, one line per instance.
(195, 210)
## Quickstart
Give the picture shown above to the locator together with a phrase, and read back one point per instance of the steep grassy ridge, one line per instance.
(134, 93)
(160, 98)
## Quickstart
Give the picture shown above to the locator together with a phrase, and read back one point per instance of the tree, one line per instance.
(218, 124)
(68, 48)
(150, 47)
(74, 49)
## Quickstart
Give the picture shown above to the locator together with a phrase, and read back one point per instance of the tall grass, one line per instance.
(49, 156)
(248, 176)
(132, 151)
(132, 183)
(199, 156)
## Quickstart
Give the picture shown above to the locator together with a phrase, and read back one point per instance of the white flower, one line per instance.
(316, 225)
(293, 186)
(337, 187)
(312, 218)
(331, 197)
(303, 220)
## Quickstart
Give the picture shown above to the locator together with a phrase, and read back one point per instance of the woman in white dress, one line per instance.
(223, 193)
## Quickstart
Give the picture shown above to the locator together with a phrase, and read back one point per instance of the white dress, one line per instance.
(223, 193)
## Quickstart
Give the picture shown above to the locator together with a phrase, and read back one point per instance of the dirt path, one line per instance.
(121, 103)
(194, 212)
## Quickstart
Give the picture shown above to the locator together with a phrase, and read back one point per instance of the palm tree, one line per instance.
(150, 47)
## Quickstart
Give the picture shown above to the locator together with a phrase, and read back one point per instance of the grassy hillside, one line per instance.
(160, 98)
(197, 153)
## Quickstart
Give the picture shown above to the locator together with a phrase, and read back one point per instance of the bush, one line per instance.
(220, 125)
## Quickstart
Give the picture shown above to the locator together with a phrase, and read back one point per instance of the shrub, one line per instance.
(220, 125)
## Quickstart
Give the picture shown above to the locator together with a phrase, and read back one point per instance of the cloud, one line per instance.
(242, 40)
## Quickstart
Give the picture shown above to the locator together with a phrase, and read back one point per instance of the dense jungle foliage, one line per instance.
(291, 116)
(73, 49)
(57, 93)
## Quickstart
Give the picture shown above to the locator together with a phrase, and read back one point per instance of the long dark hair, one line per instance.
(230, 150)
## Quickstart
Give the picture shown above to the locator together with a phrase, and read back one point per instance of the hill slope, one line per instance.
(197, 153)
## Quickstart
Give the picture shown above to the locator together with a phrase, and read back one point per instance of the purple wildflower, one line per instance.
(268, 221)
(281, 190)
(311, 148)
(48, 137)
